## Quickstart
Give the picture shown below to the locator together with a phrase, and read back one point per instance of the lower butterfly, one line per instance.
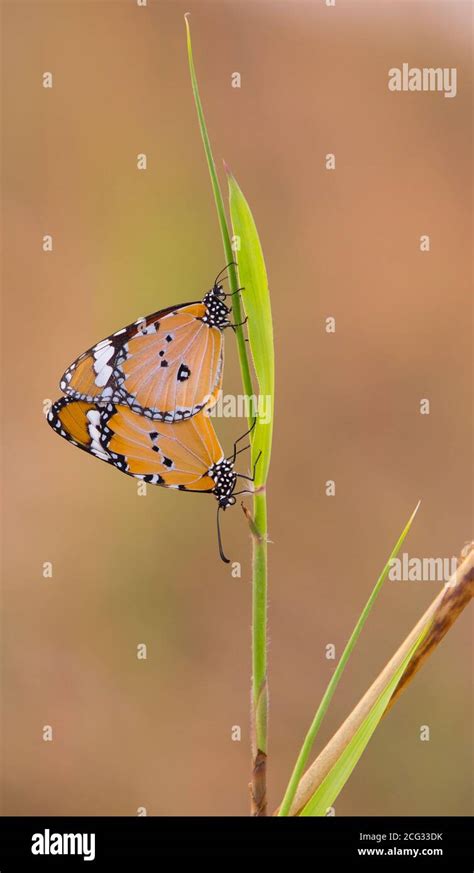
(187, 456)
(167, 366)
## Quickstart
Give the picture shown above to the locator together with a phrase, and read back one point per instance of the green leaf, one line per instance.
(256, 301)
(253, 271)
(226, 242)
(337, 777)
(328, 694)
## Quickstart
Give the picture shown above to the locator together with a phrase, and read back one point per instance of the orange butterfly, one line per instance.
(186, 456)
(167, 366)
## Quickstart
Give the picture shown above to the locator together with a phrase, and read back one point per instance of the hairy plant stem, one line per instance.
(259, 657)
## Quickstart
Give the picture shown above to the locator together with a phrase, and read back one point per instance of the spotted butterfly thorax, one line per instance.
(167, 366)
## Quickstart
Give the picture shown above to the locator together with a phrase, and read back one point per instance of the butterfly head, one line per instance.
(218, 291)
(225, 478)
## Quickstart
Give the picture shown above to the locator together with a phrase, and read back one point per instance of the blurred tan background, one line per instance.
(129, 569)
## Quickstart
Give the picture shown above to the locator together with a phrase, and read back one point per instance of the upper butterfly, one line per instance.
(166, 366)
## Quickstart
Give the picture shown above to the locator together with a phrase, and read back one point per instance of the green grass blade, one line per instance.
(323, 706)
(256, 300)
(337, 777)
(228, 253)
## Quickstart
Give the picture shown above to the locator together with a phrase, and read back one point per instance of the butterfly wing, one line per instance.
(167, 366)
(77, 421)
(174, 456)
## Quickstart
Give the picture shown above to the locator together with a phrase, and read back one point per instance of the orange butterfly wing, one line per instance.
(163, 454)
(167, 366)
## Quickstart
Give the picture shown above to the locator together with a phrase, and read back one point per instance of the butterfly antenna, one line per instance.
(219, 539)
(223, 270)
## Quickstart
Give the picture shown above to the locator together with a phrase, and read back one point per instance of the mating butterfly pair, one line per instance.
(139, 400)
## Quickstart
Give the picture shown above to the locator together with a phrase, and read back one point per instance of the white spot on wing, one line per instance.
(101, 345)
(99, 453)
(101, 357)
(93, 417)
(103, 377)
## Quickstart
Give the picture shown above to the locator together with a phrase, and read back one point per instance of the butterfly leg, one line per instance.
(239, 452)
(234, 326)
(235, 452)
(251, 478)
(238, 290)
